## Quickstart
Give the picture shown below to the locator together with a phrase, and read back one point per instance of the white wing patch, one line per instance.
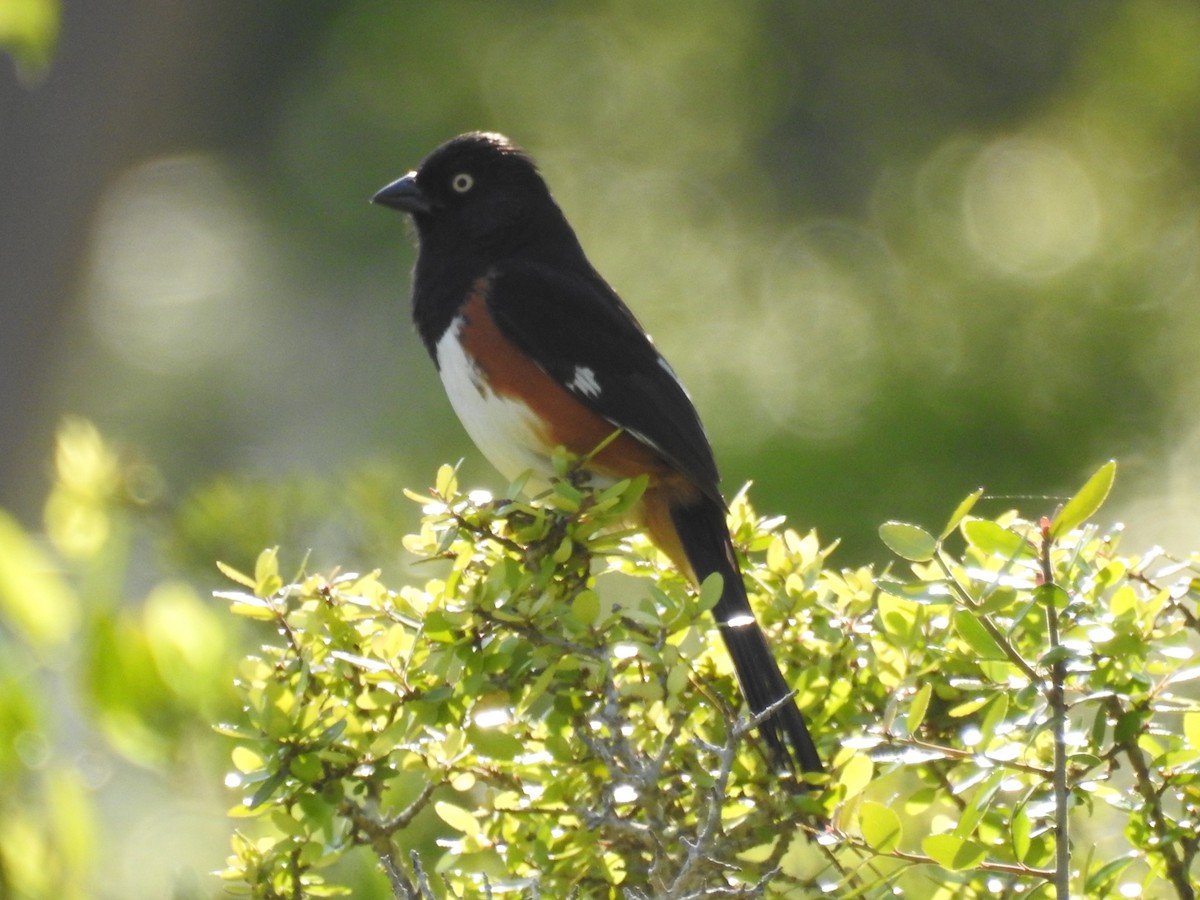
(584, 382)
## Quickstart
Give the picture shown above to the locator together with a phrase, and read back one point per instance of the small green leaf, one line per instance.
(899, 617)
(456, 817)
(881, 827)
(967, 707)
(1056, 655)
(909, 542)
(266, 573)
(34, 600)
(976, 636)
(586, 608)
(248, 606)
(995, 540)
(978, 805)
(632, 494)
(710, 591)
(953, 853)
(246, 760)
(1191, 728)
(1021, 829)
(918, 592)
(677, 679)
(1100, 881)
(29, 31)
(494, 743)
(565, 496)
(959, 512)
(563, 553)
(266, 789)
(856, 775)
(1084, 504)
(1129, 725)
(446, 483)
(1100, 726)
(992, 720)
(234, 575)
(918, 707)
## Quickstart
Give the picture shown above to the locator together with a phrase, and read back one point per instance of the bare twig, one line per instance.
(1177, 871)
(1058, 708)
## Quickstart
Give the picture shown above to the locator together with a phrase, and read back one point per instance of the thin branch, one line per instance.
(406, 815)
(1177, 872)
(967, 755)
(1058, 707)
(984, 866)
(698, 850)
(422, 880)
(989, 626)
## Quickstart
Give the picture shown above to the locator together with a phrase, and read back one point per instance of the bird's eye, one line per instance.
(462, 182)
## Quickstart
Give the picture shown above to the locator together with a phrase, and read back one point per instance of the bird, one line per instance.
(536, 351)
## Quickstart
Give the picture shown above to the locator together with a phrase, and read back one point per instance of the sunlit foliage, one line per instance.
(509, 728)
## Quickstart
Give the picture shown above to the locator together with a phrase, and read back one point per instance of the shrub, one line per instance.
(549, 714)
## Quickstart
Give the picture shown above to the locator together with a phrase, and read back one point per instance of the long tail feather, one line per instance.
(704, 536)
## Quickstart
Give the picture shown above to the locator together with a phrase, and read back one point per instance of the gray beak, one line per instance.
(404, 195)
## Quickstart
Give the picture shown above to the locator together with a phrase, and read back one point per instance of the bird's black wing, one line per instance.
(583, 336)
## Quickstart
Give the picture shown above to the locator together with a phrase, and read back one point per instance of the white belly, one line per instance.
(506, 431)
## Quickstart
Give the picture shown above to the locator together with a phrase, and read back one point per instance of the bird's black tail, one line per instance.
(704, 535)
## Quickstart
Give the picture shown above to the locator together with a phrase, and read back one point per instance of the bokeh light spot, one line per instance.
(171, 250)
(1029, 208)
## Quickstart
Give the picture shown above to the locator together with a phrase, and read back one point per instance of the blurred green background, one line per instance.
(895, 249)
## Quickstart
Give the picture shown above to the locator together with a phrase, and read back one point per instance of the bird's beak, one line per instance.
(404, 195)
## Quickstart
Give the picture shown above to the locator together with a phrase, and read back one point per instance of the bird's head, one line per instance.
(476, 190)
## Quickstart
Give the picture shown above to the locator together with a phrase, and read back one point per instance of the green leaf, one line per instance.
(445, 485)
(677, 679)
(898, 617)
(856, 775)
(1100, 726)
(1191, 729)
(621, 496)
(918, 707)
(456, 817)
(495, 743)
(266, 789)
(34, 600)
(959, 512)
(880, 825)
(1021, 829)
(976, 636)
(710, 591)
(1129, 725)
(586, 608)
(995, 540)
(1084, 504)
(565, 496)
(246, 760)
(953, 853)
(978, 805)
(266, 573)
(994, 717)
(29, 31)
(1100, 881)
(918, 591)
(909, 542)
(563, 553)
(234, 575)
(967, 707)
(248, 605)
